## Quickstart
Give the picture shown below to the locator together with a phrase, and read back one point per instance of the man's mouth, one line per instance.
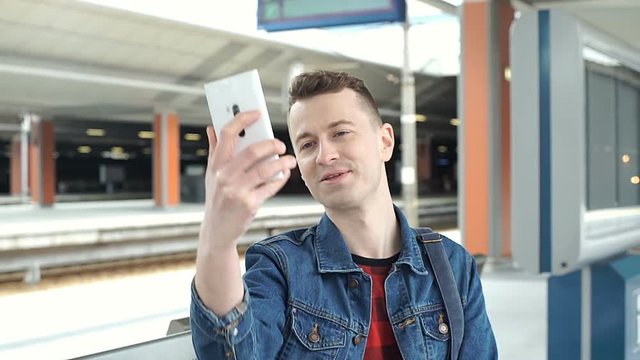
(333, 175)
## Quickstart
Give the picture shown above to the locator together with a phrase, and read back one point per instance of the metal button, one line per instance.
(443, 329)
(357, 340)
(234, 332)
(314, 337)
(353, 283)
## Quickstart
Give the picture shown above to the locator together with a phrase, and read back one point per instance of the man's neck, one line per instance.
(371, 231)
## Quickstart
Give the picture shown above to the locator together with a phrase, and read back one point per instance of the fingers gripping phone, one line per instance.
(241, 92)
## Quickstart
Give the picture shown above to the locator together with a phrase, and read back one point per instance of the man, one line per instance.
(357, 285)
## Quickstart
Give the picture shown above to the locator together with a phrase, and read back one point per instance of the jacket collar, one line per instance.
(333, 255)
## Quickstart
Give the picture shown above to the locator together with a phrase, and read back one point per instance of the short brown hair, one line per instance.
(310, 84)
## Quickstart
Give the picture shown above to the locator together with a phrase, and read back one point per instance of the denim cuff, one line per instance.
(229, 328)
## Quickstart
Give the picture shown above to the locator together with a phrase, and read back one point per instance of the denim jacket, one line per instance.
(305, 298)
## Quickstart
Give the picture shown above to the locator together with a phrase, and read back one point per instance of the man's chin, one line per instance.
(337, 201)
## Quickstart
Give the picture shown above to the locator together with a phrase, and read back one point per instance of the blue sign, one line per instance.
(278, 15)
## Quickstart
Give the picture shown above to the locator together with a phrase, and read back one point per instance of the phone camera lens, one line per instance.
(235, 109)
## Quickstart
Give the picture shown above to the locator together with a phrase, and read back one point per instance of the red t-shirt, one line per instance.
(381, 343)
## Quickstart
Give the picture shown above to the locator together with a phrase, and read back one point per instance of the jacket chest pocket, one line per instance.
(313, 337)
(435, 327)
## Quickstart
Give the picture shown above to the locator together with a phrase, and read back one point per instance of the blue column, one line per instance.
(615, 287)
(564, 316)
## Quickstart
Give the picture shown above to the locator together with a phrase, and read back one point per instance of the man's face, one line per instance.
(340, 149)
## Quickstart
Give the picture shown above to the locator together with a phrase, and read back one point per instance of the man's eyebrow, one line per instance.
(302, 136)
(339, 122)
(330, 126)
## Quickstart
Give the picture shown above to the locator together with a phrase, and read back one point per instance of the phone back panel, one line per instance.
(240, 92)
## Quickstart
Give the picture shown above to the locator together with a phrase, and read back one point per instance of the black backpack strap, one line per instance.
(443, 273)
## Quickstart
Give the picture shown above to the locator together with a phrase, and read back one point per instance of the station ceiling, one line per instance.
(66, 60)
(70, 59)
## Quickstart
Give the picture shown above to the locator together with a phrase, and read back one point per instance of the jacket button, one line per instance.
(357, 340)
(353, 283)
(443, 329)
(314, 337)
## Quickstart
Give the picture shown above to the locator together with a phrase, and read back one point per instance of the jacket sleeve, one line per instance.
(254, 328)
(479, 341)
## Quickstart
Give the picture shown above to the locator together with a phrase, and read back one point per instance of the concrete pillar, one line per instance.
(484, 107)
(408, 135)
(42, 165)
(166, 159)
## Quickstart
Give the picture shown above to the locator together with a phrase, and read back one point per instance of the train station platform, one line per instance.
(85, 316)
(96, 314)
(91, 315)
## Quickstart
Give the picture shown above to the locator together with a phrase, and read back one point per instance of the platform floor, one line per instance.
(31, 218)
(73, 216)
(87, 317)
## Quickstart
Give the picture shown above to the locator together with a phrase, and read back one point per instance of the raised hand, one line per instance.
(236, 186)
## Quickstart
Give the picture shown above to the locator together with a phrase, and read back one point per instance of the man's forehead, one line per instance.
(337, 103)
(305, 119)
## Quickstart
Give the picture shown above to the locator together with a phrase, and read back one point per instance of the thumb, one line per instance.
(213, 140)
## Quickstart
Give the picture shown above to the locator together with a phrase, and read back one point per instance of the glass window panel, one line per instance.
(601, 141)
(628, 144)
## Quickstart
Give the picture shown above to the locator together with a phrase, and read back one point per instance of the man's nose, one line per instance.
(327, 153)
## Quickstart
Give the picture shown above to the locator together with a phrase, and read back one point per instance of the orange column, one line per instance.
(15, 167)
(42, 166)
(476, 97)
(166, 159)
(424, 161)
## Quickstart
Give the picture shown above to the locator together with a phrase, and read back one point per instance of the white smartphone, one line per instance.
(241, 92)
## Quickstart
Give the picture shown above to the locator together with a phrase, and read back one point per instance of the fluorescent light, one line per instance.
(117, 150)
(201, 152)
(442, 149)
(635, 180)
(116, 153)
(421, 118)
(146, 134)
(192, 137)
(454, 122)
(96, 132)
(84, 149)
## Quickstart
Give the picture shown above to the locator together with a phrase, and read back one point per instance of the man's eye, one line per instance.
(306, 145)
(342, 133)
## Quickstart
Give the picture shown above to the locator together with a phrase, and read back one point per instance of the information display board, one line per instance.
(277, 15)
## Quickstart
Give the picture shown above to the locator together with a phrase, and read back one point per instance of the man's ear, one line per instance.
(388, 141)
